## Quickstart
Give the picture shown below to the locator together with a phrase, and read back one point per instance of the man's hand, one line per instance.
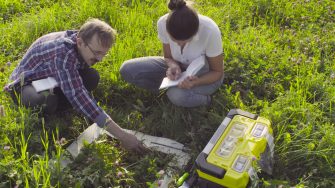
(130, 142)
(173, 72)
(188, 83)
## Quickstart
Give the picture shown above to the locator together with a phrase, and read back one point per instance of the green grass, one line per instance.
(279, 63)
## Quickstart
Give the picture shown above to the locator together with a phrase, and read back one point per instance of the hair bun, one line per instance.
(176, 4)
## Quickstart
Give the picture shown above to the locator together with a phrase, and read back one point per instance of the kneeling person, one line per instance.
(67, 56)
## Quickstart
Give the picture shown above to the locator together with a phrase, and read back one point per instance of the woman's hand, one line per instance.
(174, 71)
(189, 82)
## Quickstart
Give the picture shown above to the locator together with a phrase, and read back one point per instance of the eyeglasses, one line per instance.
(97, 55)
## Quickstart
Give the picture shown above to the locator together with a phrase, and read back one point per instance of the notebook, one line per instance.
(191, 70)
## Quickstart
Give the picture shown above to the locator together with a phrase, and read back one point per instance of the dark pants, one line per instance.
(51, 102)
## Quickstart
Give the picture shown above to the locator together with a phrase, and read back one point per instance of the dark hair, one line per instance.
(182, 22)
(106, 34)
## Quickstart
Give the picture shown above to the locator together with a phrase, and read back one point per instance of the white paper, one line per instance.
(44, 84)
(89, 135)
(191, 70)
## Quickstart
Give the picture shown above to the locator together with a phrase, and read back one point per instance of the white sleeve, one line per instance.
(161, 28)
(214, 43)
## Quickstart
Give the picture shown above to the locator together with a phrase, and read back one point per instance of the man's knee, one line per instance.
(30, 98)
(45, 100)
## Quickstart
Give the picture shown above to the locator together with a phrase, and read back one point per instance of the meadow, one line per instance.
(279, 63)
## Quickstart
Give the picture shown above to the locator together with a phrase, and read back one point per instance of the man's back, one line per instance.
(46, 56)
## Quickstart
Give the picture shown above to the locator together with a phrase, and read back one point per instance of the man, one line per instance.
(67, 56)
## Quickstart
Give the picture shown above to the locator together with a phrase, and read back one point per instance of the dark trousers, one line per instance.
(50, 102)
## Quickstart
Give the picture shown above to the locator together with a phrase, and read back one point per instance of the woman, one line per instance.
(185, 35)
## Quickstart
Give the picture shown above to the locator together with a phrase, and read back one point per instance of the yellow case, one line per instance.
(229, 158)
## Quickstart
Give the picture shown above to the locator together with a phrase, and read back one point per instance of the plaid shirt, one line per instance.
(56, 55)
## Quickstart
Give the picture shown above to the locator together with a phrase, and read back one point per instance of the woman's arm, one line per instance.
(167, 55)
(174, 71)
(216, 67)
